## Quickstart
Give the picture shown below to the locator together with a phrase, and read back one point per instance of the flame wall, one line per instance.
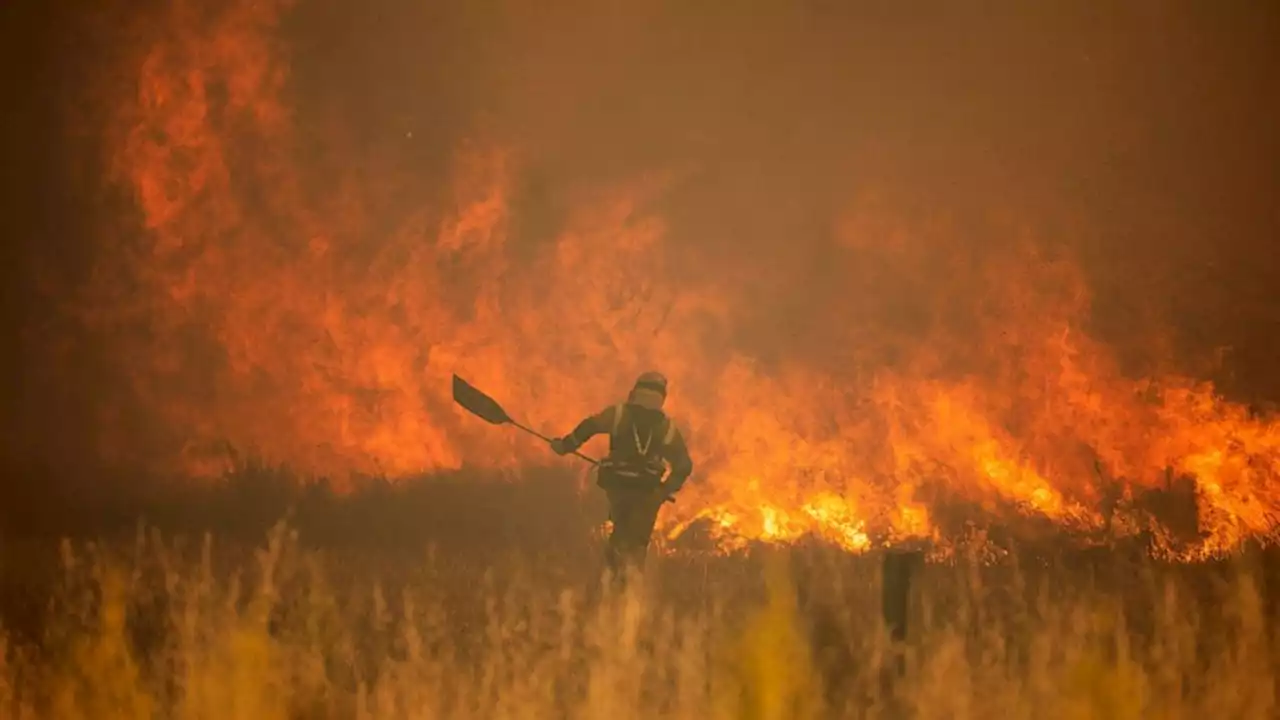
(304, 268)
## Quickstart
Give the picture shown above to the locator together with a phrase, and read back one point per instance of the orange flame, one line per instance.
(275, 299)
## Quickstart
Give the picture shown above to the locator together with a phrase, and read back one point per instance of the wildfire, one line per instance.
(312, 304)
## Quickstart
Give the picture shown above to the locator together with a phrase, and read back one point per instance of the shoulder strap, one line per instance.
(671, 433)
(617, 419)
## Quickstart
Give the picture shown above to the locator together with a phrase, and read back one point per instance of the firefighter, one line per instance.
(643, 441)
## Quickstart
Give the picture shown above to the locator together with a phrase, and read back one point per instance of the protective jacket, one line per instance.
(642, 442)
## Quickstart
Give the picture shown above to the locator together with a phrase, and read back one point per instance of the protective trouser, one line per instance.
(633, 509)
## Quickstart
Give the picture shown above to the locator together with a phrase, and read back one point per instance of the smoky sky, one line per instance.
(1140, 136)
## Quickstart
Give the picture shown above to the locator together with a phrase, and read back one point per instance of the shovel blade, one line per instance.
(477, 403)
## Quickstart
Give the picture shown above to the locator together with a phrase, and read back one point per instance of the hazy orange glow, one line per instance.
(314, 311)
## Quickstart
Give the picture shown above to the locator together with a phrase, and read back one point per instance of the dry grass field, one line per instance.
(164, 624)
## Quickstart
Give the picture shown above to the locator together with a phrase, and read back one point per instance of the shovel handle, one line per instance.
(548, 441)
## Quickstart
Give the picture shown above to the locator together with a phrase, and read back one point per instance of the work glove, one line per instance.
(561, 446)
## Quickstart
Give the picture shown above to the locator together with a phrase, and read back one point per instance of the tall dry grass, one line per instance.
(159, 628)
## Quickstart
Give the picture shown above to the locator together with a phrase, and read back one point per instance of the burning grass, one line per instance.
(166, 627)
(287, 269)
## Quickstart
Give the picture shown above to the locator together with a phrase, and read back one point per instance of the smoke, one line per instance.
(876, 248)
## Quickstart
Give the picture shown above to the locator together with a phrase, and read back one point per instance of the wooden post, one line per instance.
(898, 566)
(897, 569)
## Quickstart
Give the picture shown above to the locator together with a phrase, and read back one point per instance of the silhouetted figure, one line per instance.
(643, 442)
